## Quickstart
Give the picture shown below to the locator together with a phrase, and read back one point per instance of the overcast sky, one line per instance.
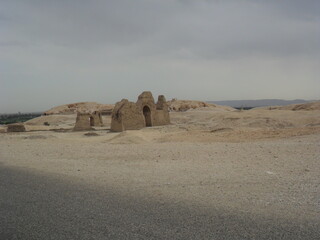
(62, 51)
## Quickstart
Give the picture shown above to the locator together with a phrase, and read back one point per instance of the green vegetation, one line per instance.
(17, 117)
(243, 108)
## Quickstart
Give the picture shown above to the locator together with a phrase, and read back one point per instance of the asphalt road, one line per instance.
(35, 206)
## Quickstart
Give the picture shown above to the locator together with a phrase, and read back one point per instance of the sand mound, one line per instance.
(80, 107)
(91, 134)
(312, 106)
(185, 105)
(257, 119)
(304, 107)
(53, 120)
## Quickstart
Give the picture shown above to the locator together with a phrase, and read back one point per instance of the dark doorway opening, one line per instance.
(91, 121)
(147, 116)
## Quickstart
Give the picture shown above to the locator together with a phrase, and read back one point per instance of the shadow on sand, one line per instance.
(36, 206)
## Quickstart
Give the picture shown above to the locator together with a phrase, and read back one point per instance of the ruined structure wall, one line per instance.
(162, 103)
(82, 122)
(146, 99)
(100, 118)
(134, 122)
(116, 116)
(97, 120)
(133, 116)
(116, 126)
(126, 116)
(161, 118)
(162, 113)
(16, 127)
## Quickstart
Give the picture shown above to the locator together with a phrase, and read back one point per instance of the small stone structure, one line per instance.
(144, 113)
(16, 127)
(85, 121)
(96, 119)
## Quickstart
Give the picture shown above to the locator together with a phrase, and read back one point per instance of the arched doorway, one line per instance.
(91, 121)
(147, 116)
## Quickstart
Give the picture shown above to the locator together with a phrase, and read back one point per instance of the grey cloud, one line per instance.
(234, 29)
(84, 23)
(297, 9)
(122, 44)
(14, 43)
(209, 29)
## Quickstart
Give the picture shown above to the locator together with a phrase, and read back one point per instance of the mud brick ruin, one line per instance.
(144, 113)
(85, 121)
(16, 127)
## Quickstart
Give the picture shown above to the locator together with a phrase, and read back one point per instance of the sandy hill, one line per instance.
(174, 106)
(79, 107)
(259, 102)
(297, 107)
(305, 106)
(184, 105)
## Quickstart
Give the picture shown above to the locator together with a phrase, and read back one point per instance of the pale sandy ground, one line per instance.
(264, 164)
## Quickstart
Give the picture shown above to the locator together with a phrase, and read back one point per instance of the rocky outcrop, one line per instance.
(184, 105)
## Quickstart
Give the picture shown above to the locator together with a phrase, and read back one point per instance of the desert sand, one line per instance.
(241, 174)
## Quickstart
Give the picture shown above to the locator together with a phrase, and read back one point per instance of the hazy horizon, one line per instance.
(208, 101)
(60, 52)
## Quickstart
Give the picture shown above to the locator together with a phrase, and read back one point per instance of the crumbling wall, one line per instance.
(126, 116)
(85, 121)
(161, 116)
(97, 119)
(16, 127)
(162, 103)
(146, 103)
(146, 99)
(82, 122)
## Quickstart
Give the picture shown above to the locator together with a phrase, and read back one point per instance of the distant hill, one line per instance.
(259, 102)
(183, 105)
(310, 106)
(80, 107)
